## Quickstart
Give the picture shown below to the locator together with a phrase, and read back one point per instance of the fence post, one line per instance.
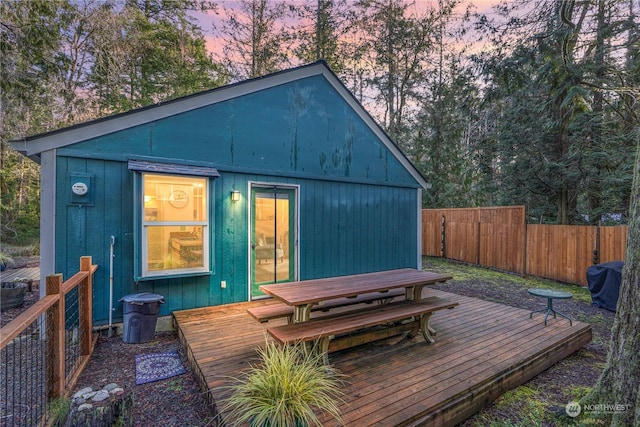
(525, 242)
(55, 339)
(86, 314)
(443, 236)
(596, 245)
(478, 243)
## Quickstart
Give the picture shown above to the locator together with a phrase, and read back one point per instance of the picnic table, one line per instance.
(303, 295)
(411, 313)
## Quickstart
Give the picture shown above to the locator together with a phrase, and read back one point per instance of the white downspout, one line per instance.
(112, 243)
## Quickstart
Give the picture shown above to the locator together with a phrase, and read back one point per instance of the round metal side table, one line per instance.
(550, 295)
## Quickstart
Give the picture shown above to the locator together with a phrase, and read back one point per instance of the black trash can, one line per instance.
(140, 316)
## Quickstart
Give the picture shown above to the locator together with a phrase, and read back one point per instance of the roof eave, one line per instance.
(81, 132)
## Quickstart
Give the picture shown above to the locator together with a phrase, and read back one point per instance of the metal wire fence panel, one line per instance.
(43, 350)
(72, 332)
(23, 378)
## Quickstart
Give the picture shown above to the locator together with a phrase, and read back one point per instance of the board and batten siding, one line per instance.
(358, 201)
(351, 228)
(344, 228)
(86, 230)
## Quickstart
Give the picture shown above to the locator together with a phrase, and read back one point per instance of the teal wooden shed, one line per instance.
(204, 198)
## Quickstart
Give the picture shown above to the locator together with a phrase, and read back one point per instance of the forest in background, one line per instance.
(534, 104)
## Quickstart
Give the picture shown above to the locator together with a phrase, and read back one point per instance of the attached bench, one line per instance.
(275, 311)
(333, 329)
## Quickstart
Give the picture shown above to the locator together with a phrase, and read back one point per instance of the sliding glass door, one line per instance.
(273, 229)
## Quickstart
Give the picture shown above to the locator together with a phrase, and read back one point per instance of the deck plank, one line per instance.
(30, 273)
(482, 349)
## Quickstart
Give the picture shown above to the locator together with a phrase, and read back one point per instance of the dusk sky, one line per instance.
(206, 20)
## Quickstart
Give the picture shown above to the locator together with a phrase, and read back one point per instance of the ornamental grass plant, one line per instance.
(5, 260)
(289, 387)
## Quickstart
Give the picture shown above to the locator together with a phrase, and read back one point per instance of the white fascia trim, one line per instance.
(47, 218)
(161, 111)
(419, 227)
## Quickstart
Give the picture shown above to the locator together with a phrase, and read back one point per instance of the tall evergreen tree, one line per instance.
(426, 91)
(618, 383)
(256, 38)
(148, 52)
(557, 82)
(441, 131)
(398, 45)
(30, 45)
(64, 62)
(322, 33)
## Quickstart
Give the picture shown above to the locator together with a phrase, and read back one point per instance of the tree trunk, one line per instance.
(594, 181)
(618, 384)
(117, 411)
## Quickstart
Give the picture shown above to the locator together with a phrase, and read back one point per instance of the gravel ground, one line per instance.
(178, 401)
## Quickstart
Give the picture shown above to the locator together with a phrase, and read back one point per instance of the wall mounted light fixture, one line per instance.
(235, 196)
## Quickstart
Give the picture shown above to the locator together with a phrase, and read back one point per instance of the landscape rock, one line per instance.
(84, 407)
(110, 386)
(89, 395)
(117, 391)
(100, 396)
(82, 392)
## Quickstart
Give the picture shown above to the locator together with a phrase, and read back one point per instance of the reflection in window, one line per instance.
(174, 225)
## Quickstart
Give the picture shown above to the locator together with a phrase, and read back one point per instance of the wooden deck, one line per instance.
(482, 349)
(30, 273)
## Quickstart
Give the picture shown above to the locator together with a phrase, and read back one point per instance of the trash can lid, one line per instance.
(143, 297)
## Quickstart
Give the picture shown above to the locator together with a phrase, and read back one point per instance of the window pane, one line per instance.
(170, 198)
(174, 225)
(174, 247)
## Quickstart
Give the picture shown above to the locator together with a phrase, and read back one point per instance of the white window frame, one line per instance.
(145, 225)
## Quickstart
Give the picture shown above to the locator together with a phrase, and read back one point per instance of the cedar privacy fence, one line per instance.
(499, 237)
(45, 348)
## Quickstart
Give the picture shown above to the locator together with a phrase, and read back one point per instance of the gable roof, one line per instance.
(32, 146)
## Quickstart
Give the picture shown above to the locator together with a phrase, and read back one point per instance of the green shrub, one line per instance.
(285, 389)
(58, 410)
